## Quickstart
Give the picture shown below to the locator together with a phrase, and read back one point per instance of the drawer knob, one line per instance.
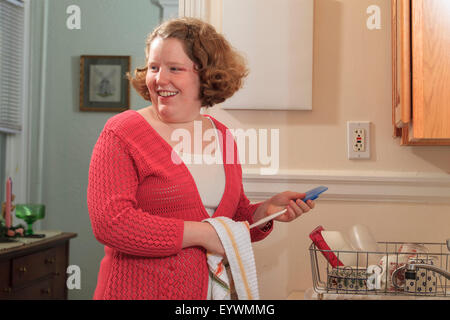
(50, 260)
(23, 269)
(46, 291)
(7, 290)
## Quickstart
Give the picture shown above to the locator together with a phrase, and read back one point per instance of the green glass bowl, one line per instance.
(30, 213)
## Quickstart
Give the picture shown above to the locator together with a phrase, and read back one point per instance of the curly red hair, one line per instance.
(220, 67)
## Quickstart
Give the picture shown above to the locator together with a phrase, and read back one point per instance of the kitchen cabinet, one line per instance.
(37, 270)
(421, 71)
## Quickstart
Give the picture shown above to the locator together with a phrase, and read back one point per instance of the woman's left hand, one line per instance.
(285, 200)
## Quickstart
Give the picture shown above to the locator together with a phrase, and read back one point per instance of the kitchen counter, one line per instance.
(310, 294)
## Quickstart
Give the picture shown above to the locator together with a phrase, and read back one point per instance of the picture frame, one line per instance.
(103, 83)
(293, 51)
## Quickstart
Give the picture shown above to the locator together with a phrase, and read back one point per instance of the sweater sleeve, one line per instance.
(245, 211)
(111, 198)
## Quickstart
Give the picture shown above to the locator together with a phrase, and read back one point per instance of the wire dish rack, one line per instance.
(395, 269)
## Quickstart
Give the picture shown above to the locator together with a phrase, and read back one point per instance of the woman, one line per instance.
(145, 207)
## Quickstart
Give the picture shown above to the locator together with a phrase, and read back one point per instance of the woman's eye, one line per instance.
(174, 69)
(153, 68)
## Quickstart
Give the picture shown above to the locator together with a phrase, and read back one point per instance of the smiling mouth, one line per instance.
(166, 94)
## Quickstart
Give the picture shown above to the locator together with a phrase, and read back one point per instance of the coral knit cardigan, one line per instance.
(138, 200)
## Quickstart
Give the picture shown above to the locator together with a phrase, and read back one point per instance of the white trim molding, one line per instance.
(170, 8)
(193, 8)
(408, 187)
(208, 10)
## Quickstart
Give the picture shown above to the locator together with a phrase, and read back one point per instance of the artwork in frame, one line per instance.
(285, 62)
(103, 83)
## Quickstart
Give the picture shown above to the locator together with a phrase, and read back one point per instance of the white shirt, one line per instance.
(210, 182)
(209, 178)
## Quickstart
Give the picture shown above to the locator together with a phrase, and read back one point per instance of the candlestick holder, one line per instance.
(30, 213)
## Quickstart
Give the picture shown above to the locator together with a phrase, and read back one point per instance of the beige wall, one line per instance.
(351, 82)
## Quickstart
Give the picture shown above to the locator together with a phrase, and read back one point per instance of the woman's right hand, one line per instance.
(212, 242)
(202, 234)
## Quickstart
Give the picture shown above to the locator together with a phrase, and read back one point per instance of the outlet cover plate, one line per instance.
(354, 140)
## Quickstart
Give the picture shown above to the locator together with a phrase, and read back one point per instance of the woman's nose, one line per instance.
(162, 77)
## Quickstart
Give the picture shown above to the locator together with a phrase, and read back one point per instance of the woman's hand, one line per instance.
(212, 241)
(285, 200)
(202, 234)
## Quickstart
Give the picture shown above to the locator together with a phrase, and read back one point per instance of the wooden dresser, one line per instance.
(36, 270)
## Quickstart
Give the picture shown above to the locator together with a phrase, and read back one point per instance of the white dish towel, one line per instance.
(235, 237)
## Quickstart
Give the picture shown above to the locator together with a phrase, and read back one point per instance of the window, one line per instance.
(11, 61)
(11, 80)
(2, 166)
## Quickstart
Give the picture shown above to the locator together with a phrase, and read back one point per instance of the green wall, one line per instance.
(108, 27)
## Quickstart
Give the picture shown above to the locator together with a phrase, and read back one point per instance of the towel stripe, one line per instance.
(238, 257)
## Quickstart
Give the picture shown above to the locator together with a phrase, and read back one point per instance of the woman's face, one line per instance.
(172, 81)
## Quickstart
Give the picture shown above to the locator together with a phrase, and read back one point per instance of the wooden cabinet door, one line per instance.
(401, 49)
(430, 38)
(421, 71)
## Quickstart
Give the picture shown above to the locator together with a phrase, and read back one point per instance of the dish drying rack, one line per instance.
(430, 280)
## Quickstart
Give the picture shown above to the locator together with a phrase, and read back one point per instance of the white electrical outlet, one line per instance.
(358, 139)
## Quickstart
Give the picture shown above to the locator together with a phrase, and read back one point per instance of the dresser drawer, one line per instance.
(33, 266)
(36, 270)
(41, 290)
(4, 276)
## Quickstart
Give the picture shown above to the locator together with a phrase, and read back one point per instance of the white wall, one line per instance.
(351, 82)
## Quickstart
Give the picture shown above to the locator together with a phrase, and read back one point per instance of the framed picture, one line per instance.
(292, 50)
(103, 83)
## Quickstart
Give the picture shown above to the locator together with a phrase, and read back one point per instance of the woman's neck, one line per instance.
(176, 123)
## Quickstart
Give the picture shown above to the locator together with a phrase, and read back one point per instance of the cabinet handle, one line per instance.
(50, 260)
(23, 269)
(7, 290)
(46, 291)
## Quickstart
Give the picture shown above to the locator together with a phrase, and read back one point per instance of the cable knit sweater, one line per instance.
(138, 200)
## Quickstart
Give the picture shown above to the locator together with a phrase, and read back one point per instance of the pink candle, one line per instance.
(8, 203)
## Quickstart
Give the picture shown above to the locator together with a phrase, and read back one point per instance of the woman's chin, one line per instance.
(167, 112)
